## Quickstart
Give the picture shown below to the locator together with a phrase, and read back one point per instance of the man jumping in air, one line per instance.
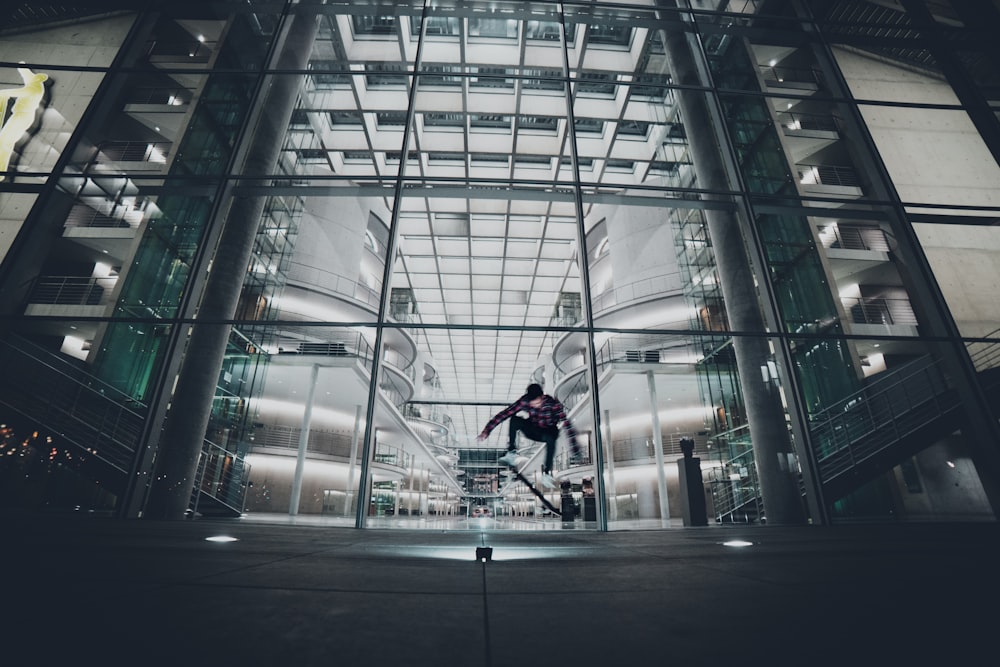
(545, 414)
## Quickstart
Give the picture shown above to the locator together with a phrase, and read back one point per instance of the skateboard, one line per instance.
(541, 496)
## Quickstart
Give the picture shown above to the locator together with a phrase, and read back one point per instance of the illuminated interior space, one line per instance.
(287, 259)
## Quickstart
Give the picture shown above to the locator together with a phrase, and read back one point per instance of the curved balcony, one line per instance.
(657, 301)
(357, 300)
(312, 294)
(345, 348)
(389, 462)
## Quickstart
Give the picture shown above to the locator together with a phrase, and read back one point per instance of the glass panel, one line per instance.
(913, 157)
(41, 107)
(309, 387)
(48, 453)
(963, 258)
(901, 446)
(492, 268)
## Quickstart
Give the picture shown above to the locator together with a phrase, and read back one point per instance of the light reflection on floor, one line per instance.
(455, 522)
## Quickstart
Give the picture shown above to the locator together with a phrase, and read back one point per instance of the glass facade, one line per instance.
(289, 258)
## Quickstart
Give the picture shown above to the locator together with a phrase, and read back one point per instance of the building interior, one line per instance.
(763, 230)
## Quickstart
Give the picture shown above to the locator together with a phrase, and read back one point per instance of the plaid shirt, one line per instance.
(550, 413)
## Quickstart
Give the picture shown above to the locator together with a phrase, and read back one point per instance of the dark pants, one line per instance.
(534, 432)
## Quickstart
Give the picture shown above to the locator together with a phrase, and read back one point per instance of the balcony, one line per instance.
(131, 156)
(70, 296)
(881, 316)
(791, 78)
(829, 180)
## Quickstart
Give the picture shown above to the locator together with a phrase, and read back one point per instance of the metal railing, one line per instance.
(69, 290)
(985, 355)
(874, 419)
(793, 120)
(854, 237)
(641, 448)
(828, 175)
(134, 151)
(98, 419)
(879, 310)
(174, 97)
(328, 443)
(221, 475)
(84, 216)
(316, 277)
(667, 284)
(774, 75)
(735, 489)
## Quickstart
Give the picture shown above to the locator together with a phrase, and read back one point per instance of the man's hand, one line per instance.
(482, 436)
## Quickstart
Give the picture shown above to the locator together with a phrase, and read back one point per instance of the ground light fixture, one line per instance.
(221, 538)
(484, 554)
(737, 543)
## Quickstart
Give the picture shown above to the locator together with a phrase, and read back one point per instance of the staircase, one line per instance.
(101, 423)
(736, 491)
(221, 483)
(864, 435)
(900, 413)
(104, 426)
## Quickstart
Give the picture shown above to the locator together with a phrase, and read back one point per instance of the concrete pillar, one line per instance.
(191, 404)
(300, 458)
(409, 496)
(612, 491)
(352, 463)
(768, 430)
(661, 472)
(424, 484)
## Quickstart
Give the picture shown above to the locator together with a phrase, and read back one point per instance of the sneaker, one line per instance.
(548, 482)
(509, 459)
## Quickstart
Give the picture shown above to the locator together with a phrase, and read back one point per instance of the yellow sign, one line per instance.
(27, 99)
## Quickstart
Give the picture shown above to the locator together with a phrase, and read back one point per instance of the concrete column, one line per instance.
(768, 430)
(609, 462)
(661, 471)
(352, 463)
(424, 485)
(409, 496)
(300, 459)
(191, 405)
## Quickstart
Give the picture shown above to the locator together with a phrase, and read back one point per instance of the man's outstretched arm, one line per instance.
(504, 414)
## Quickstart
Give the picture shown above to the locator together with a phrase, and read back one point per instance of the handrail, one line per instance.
(828, 174)
(876, 418)
(134, 151)
(95, 417)
(222, 475)
(71, 290)
(329, 443)
(319, 278)
(85, 216)
(879, 310)
(794, 120)
(854, 237)
(659, 286)
(773, 74)
(985, 355)
(625, 449)
(735, 489)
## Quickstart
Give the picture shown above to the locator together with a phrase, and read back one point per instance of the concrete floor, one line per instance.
(90, 590)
